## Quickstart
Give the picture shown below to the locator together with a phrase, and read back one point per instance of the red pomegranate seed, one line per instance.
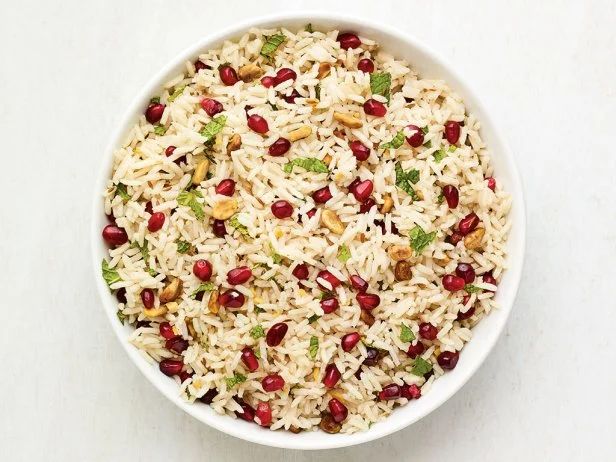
(166, 331)
(366, 205)
(258, 124)
(489, 279)
(228, 75)
(282, 209)
(248, 412)
(348, 40)
(453, 283)
(321, 196)
(411, 391)
(147, 298)
(226, 187)
(358, 283)
(362, 190)
(301, 271)
(332, 375)
(111, 219)
(415, 349)
(368, 301)
(169, 151)
(148, 207)
(375, 108)
(373, 356)
(468, 313)
(427, 331)
(203, 270)
(250, 359)
(264, 414)
(451, 196)
(360, 150)
(468, 223)
(219, 229)
(114, 235)
(454, 238)
(349, 341)
(452, 131)
(199, 66)
(338, 410)
(328, 277)
(211, 106)
(170, 367)
(272, 382)
(416, 139)
(284, 74)
(291, 98)
(329, 305)
(231, 299)
(466, 272)
(185, 375)
(121, 295)
(311, 213)
(239, 275)
(381, 224)
(209, 396)
(448, 359)
(176, 344)
(491, 183)
(366, 65)
(352, 184)
(276, 333)
(154, 112)
(268, 81)
(280, 147)
(391, 391)
(156, 221)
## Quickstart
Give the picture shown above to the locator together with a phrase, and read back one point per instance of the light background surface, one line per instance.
(68, 71)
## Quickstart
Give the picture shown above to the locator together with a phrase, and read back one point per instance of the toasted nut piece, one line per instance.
(294, 429)
(348, 120)
(339, 133)
(200, 171)
(250, 72)
(224, 209)
(330, 220)
(171, 292)
(324, 70)
(299, 133)
(361, 237)
(315, 374)
(328, 424)
(234, 143)
(365, 316)
(420, 195)
(442, 261)
(172, 307)
(327, 159)
(399, 252)
(338, 394)
(312, 102)
(155, 312)
(212, 303)
(473, 239)
(402, 271)
(388, 204)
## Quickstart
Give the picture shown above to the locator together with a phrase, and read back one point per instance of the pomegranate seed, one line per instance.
(466, 272)
(280, 147)
(170, 367)
(114, 235)
(391, 391)
(453, 283)
(147, 298)
(250, 359)
(427, 331)
(154, 112)
(291, 98)
(156, 221)
(468, 223)
(415, 349)
(468, 313)
(353, 184)
(329, 305)
(348, 40)
(284, 74)
(375, 108)
(452, 131)
(272, 382)
(276, 333)
(199, 66)
(219, 229)
(338, 410)
(332, 375)
(169, 152)
(416, 139)
(226, 187)
(349, 341)
(311, 213)
(381, 224)
(264, 414)
(366, 205)
(451, 196)
(448, 359)
(491, 183)
(111, 219)
(282, 209)
(211, 106)
(148, 207)
(362, 190)
(360, 150)
(166, 331)
(366, 65)
(176, 344)
(209, 396)
(411, 391)
(454, 238)
(121, 295)
(321, 196)
(258, 124)
(368, 301)
(301, 271)
(329, 278)
(228, 75)
(239, 275)
(268, 81)
(248, 412)
(489, 279)
(203, 270)
(373, 356)
(231, 299)
(185, 375)
(358, 283)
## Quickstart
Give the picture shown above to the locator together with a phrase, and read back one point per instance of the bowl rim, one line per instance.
(232, 31)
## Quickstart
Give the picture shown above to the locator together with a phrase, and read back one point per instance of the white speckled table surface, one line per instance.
(68, 71)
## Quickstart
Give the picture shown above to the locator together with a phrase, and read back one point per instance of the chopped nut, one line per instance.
(171, 292)
(328, 424)
(250, 72)
(234, 143)
(172, 307)
(473, 239)
(278, 232)
(399, 252)
(327, 159)
(361, 237)
(299, 133)
(200, 171)
(224, 209)
(339, 133)
(348, 120)
(419, 194)
(155, 312)
(312, 102)
(212, 303)
(338, 394)
(402, 271)
(330, 220)
(324, 70)
(315, 374)
(388, 204)
(294, 429)
(442, 261)
(365, 316)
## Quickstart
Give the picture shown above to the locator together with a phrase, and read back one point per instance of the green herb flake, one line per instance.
(406, 334)
(177, 92)
(156, 99)
(273, 106)
(234, 222)
(121, 316)
(213, 128)
(421, 367)
(452, 148)
(380, 84)
(258, 353)
(183, 246)
(203, 287)
(425, 129)
(276, 258)
(309, 164)
(152, 272)
(395, 142)
(313, 318)
(259, 310)
(471, 289)
(317, 91)
(439, 155)
(420, 239)
(236, 379)
(257, 332)
(189, 199)
(344, 253)
(314, 347)
(439, 199)
(160, 129)
(110, 275)
(428, 144)
(309, 28)
(122, 192)
(271, 45)
(406, 180)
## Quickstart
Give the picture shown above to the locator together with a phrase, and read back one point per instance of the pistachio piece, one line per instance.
(200, 171)
(399, 252)
(348, 120)
(155, 312)
(172, 307)
(224, 209)
(212, 303)
(315, 374)
(330, 220)
(171, 292)
(299, 133)
(402, 271)
(324, 70)
(250, 72)
(327, 159)
(234, 143)
(388, 204)
(472, 240)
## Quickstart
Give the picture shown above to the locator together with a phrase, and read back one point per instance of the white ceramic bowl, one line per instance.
(429, 65)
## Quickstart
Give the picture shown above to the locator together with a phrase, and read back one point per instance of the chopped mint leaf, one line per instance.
(380, 84)
(344, 253)
(203, 287)
(235, 223)
(276, 257)
(309, 28)
(177, 92)
(258, 309)
(213, 128)
(395, 142)
(189, 199)
(156, 99)
(439, 155)
(452, 148)
(160, 129)
(273, 106)
(307, 163)
(425, 129)
(421, 367)
(110, 275)
(406, 334)
(183, 246)
(405, 180)
(121, 316)
(271, 45)
(439, 199)
(152, 272)
(313, 318)
(236, 379)
(420, 239)
(471, 289)
(314, 347)
(428, 144)
(121, 191)
(257, 332)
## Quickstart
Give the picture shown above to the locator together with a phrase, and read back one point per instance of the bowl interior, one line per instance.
(428, 64)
